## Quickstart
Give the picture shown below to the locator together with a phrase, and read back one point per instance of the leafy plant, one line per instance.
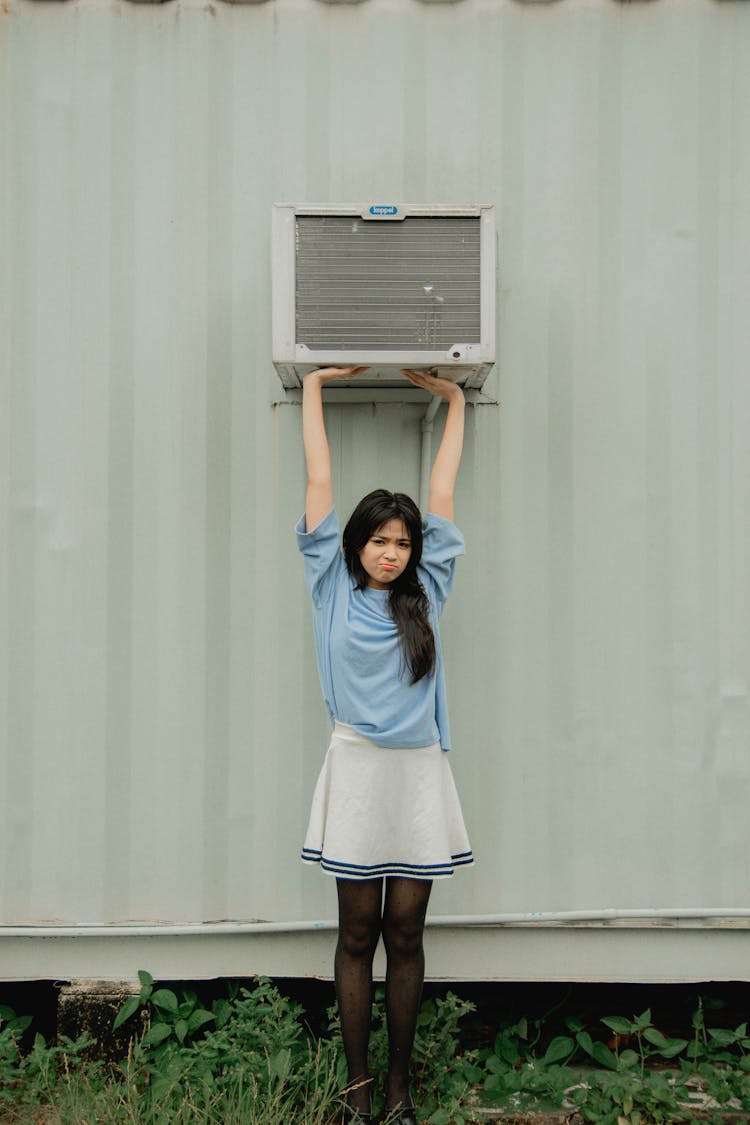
(625, 1081)
(26, 1077)
(171, 1016)
(443, 1076)
(12, 1028)
(258, 1050)
(252, 1058)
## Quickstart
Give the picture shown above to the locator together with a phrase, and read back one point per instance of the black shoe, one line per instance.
(405, 1115)
(353, 1116)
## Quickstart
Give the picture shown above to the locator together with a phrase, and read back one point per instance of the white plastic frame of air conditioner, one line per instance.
(291, 359)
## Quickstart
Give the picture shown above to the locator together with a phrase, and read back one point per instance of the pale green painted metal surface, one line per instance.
(160, 710)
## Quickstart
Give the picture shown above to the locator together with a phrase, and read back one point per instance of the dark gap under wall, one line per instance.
(497, 1004)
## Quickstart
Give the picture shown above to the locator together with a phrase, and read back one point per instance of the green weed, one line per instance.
(251, 1058)
(637, 1075)
(443, 1076)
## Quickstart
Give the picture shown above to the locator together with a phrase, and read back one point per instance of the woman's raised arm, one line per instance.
(319, 498)
(448, 459)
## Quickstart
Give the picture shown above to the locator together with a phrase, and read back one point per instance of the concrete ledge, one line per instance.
(583, 953)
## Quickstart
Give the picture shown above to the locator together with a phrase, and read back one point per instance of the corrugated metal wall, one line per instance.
(160, 709)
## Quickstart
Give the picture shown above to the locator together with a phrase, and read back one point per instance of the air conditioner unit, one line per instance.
(383, 285)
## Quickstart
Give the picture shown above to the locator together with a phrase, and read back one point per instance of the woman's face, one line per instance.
(386, 554)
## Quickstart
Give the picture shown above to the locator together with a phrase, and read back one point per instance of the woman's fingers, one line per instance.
(419, 378)
(432, 383)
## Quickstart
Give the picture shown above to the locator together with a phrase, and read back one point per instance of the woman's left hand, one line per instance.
(433, 383)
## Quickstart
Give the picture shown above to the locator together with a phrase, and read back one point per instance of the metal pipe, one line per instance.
(540, 918)
(606, 915)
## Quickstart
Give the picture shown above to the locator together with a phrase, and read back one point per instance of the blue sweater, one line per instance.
(362, 670)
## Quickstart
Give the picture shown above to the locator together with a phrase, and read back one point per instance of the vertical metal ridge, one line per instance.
(21, 241)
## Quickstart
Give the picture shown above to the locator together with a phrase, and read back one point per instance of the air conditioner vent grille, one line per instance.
(387, 286)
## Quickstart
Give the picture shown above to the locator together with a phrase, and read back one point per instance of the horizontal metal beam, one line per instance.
(579, 951)
(353, 396)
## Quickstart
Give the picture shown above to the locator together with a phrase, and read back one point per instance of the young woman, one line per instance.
(385, 817)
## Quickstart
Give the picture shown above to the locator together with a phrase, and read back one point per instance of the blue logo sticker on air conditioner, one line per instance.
(384, 209)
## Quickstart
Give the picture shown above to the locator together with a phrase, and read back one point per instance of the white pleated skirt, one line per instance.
(379, 812)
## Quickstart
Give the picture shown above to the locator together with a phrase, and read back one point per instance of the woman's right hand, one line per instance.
(328, 374)
(445, 388)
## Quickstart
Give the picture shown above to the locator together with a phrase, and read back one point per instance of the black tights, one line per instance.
(363, 917)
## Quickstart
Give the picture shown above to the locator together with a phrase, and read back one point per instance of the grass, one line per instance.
(253, 1057)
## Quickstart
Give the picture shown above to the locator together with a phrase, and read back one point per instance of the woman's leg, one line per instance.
(403, 926)
(360, 907)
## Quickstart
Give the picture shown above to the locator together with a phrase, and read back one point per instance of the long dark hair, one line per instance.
(407, 599)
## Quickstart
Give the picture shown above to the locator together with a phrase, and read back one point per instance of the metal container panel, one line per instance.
(160, 711)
